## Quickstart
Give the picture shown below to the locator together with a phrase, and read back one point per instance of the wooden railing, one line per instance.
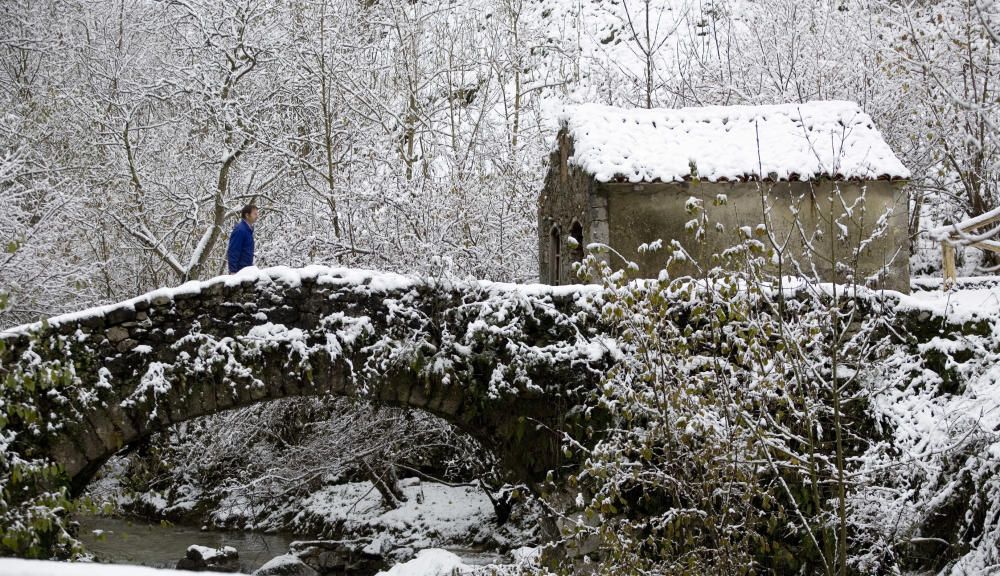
(965, 233)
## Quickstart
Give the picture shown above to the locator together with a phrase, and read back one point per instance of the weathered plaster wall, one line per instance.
(798, 216)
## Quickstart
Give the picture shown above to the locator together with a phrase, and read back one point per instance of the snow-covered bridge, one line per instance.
(506, 363)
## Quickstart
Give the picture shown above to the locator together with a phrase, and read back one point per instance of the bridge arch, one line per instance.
(505, 363)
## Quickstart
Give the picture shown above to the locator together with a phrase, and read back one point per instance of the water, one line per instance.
(161, 546)
(127, 542)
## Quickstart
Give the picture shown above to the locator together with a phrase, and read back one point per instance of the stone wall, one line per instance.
(567, 197)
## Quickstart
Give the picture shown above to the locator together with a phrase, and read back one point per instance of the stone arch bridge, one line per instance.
(509, 364)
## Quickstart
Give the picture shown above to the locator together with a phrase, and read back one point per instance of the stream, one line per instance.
(161, 546)
(122, 541)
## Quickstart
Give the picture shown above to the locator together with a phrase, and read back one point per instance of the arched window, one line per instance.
(555, 254)
(576, 232)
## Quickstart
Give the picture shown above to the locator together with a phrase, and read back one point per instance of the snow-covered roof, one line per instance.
(827, 139)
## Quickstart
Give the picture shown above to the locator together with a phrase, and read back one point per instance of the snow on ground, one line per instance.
(16, 567)
(286, 563)
(430, 562)
(433, 514)
(437, 562)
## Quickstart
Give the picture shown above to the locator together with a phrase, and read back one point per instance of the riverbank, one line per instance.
(431, 516)
(127, 542)
(432, 562)
(458, 518)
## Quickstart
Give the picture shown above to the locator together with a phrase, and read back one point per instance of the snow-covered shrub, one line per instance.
(928, 494)
(34, 497)
(733, 414)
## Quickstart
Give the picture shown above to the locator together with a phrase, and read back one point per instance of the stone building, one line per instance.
(815, 182)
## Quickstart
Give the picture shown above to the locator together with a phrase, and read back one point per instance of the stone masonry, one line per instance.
(503, 363)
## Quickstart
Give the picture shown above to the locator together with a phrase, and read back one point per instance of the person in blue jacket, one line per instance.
(240, 253)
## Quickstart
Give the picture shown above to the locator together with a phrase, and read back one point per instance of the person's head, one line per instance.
(249, 213)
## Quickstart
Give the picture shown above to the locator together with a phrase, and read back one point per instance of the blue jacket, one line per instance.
(240, 253)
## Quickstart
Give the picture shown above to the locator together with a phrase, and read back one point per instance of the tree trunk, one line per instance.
(386, 482)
